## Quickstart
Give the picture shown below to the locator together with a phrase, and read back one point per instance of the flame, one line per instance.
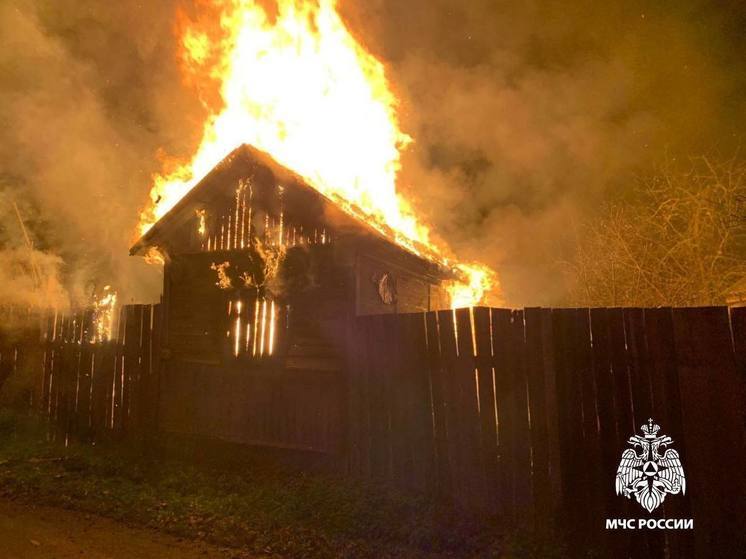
(480, 281)
(103, 315)
(296, 84)
(202, 228)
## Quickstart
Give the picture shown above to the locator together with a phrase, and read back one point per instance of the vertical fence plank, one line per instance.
(522, 434)
(501, 339)
(108, 364)
(711, 398)
(617, 542)
(46, 366)
(622, 362)
(591, 476)
(439, 405)
(667, 412)
(399, 398)
(97, 409)
(738, 329)
(76, 354)
(457, 448)
(602, 372)
(421, 443)
(569, 396)
(552, 410)
(537, 397)
(156, 371)
(639, 368)
(378, 403)
(67, 380)
(128, 364)
(83, 398)
(487, 409)
(622, 399)
(117, 393)
(56, 379)
(144, 385)
(357, 432)
(467, 410)
(136, 375)
(665, 397)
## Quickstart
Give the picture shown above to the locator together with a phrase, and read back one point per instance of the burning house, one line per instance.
(262, 274)
(265, 269)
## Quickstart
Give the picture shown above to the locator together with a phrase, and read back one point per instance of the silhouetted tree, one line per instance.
(679, 240)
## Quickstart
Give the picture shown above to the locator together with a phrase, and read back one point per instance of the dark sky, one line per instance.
(526, 117)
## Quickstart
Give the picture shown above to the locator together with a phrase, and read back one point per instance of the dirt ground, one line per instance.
(35, 532)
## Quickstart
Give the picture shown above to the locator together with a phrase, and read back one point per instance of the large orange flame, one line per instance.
(297, 85)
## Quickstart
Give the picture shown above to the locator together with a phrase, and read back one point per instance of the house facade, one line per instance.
(262, 276)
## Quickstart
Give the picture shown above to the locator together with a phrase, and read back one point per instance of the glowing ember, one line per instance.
(223, 281)
(202, 228)
(298, 86)
(103, 315)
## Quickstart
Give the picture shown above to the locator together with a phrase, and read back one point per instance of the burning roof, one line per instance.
(296, 84)
(246, 162)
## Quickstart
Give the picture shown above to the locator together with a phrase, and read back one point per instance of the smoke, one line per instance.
(88, 93)
(525, 116)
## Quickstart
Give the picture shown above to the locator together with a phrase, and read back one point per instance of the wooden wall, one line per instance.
(196, 309)
(295, 409)
(416, 288)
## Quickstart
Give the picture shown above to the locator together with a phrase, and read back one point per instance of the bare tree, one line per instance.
(679, 240)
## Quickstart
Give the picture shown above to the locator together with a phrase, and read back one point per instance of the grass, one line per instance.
(265, 508)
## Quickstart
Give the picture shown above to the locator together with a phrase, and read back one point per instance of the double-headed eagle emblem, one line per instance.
(646, 473)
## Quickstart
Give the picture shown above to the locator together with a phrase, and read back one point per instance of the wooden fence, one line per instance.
(103, 390)
(523, 414)
(255, 404)
(526, 414)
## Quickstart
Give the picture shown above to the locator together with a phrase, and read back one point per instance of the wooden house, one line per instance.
(262, 276)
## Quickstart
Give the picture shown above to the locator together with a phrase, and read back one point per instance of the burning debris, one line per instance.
(258, 272)
(317, 130)
(223, 282)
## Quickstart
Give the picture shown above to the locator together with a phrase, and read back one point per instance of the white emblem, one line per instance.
(645, 473)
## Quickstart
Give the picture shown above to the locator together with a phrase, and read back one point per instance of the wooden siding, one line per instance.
(298, 409)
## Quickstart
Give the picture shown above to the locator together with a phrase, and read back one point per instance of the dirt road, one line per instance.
(35, 532)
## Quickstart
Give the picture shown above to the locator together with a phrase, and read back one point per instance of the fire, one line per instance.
(469, 293)
(104, 306)
(202, 227)
(297, 85)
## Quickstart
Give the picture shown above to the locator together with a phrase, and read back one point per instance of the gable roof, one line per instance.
(243, 161)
